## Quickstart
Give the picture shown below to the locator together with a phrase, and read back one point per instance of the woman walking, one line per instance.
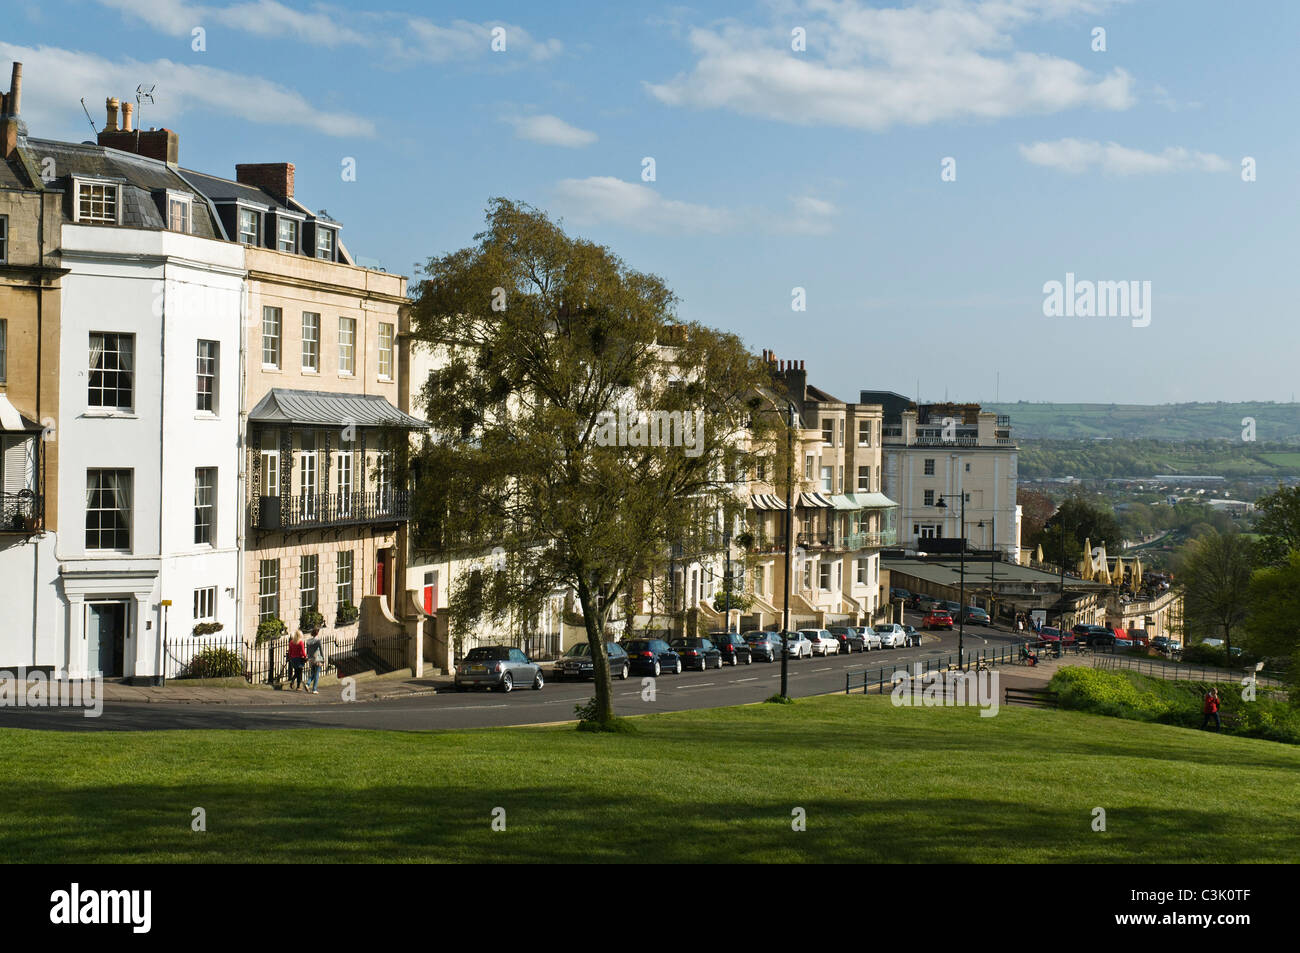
(315, 661)
(297, 656)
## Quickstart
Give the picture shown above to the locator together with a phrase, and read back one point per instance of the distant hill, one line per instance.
(1274, 423)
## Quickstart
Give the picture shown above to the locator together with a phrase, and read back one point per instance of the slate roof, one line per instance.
(224, 190)
(141, 178)
(315, 408)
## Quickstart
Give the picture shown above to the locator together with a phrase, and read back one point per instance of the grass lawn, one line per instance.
(878, 783)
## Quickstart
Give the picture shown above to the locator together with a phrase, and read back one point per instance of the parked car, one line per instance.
(937, 619)
(913, 636)
(697, 652)
(577, 663)
(976, 616)
(849, 637)
(897, 592)
(952, 607)
(764, 645)
(870, 639)
(797, 644)
(734, 649)
(653, 656)
(497, 666)
(892, 635)
(928, 603)
(823, 643)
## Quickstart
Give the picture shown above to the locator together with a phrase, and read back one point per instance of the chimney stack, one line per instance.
(127, 109)
(160, 144)
(10, 111)
(274, 177)
(110, 104)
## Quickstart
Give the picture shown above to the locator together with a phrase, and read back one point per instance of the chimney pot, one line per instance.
(110, 105)
(15, 100)
(127, 109)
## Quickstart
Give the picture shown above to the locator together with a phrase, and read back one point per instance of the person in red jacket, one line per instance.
(297, 657)
(1211, 709)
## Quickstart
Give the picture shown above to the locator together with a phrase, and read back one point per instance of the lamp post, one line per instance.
(789, 543)
(993, 562)
(961, 609)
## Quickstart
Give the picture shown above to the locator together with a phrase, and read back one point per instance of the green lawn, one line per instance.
(878, 783)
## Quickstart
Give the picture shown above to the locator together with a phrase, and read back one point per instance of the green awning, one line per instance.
(865, 501)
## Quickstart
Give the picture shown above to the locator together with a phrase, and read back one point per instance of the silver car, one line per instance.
(797, 645)
(869, 637)
(892, 635)
(498, 666)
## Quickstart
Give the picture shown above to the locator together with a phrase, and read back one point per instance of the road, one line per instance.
(732, 685)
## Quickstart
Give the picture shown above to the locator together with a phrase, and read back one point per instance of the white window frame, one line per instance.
(305, 560)
(186, 202)
(270, 465)
(131, 373)
(828, 432)
(347, 346)
(828, 479)
(867, 488)
(824, 576)
(240, 212)
(268, 589)
(344, 481)
(311, 344)
(205, 507)
(127, 514)
(864, 433)
(276, 340)
(344, 576)
(385, 351)
(207, 368)
(927, 466)
(328, 235)
(205, 604)
(82, 183)
(4, 349)
(295, 226)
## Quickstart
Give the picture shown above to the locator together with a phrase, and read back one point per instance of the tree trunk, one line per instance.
(593, 620)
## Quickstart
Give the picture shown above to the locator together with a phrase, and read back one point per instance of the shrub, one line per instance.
(207, 628)
(215, 663)
(311, 620)
(347, 614)
(268, 630)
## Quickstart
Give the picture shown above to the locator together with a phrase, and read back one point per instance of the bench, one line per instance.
(1031, 697)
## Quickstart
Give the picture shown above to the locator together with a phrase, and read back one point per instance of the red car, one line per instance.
(938, 619)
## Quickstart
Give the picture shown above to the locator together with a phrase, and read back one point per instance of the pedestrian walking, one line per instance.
(1211, 709)
(297, 656)
(315, 661)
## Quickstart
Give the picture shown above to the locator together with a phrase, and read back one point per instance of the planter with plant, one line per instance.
(268, 630)
(347, 614)
(311, 620)
(207, 628)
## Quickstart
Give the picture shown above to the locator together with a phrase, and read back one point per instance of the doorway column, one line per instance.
(74, 661)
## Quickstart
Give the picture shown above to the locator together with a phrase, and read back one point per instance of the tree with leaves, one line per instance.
(1277, 521)
(1215, 582)
(561, 369)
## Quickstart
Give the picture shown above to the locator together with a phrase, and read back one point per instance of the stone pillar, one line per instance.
(74, 661)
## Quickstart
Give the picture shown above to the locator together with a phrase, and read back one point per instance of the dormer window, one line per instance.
(288, 235)
(250, 231)
(178, 212)
(325, 243)
(97, 202)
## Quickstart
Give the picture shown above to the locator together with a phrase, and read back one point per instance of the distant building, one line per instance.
(950, 451)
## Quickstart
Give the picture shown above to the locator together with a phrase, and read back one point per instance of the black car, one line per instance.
(849, 637)
(698, 653)
(652, 656)
(734, 649)
(577, 663)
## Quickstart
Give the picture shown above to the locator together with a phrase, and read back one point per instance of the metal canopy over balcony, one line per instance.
(314, 408)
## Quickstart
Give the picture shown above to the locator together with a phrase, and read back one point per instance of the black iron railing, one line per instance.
(328, 509)
(20, 512)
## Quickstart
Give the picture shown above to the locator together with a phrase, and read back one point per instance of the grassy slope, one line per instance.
(878, 783)
(1190, 421)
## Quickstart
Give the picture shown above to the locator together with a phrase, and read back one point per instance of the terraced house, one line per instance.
(322, 511)
(842, 520)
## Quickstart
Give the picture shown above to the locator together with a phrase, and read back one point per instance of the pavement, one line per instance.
(234, 691)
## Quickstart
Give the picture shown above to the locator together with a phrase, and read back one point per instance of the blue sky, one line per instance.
(776, 168)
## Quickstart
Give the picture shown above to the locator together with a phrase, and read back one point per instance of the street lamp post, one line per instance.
(961, 608)
(789, 543)
(993, 563)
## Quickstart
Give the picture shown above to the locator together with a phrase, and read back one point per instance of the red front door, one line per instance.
(379, 576)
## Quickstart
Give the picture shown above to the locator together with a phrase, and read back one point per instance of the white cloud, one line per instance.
(55, 80)
(551, 131)
(1080, 155)
(604, 200)
(873, 68)
(399, 37)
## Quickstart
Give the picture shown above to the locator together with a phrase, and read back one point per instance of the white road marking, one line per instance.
(701, 685)
(754, 679)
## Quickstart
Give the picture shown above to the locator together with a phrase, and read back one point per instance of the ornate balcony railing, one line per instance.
(21, 512)
(328, 509)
